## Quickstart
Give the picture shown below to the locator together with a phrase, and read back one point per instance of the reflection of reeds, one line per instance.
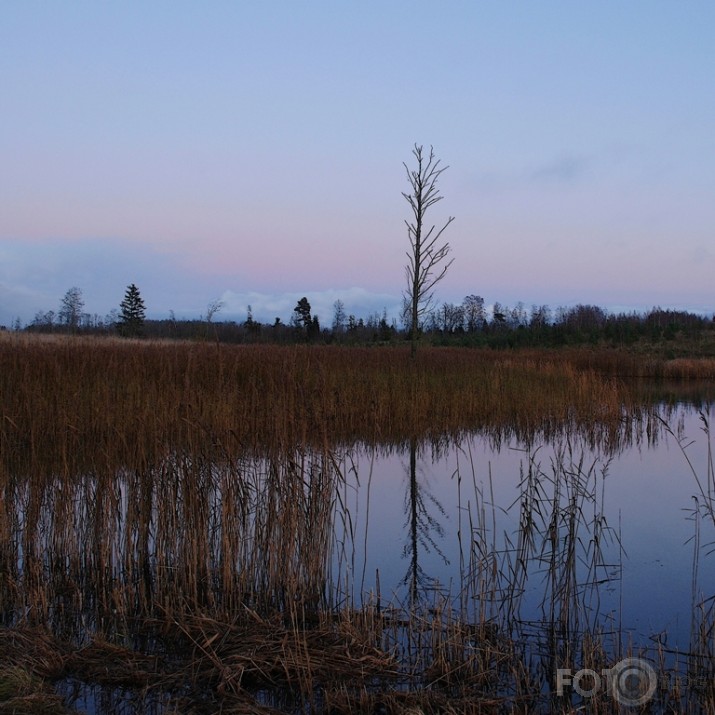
(187, 534)
(698, 694)
(561, 542)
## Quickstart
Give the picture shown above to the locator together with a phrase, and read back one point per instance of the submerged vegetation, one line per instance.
(176, 525)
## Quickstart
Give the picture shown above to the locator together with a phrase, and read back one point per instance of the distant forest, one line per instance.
(470, 323)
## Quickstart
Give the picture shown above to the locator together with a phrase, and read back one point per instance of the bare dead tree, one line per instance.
(428, 262)
(213, 308)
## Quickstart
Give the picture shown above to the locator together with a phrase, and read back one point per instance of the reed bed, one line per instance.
(171, 509)
(79, 405)
(632, 365)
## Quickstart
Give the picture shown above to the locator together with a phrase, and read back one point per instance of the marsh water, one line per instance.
(641, 522)
(544, 538)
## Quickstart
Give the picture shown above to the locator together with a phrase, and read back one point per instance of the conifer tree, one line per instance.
(302, 313)
(133, 313)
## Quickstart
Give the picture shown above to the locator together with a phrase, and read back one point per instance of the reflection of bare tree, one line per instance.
(423, 527)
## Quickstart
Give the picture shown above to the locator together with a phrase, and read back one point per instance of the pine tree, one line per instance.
(131, 318)
(302, 313)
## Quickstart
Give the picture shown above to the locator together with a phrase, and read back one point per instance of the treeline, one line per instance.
(582, 324)
(470, 323)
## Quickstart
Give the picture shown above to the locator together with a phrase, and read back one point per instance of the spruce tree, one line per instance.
(131, 318)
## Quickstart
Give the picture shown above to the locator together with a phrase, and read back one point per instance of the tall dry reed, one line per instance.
(73, 406)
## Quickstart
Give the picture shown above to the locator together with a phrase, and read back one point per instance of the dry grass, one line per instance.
(21, 692)
(170, 508)
(80, 405)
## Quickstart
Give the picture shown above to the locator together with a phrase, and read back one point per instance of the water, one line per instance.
(642, 495)
(611, 536)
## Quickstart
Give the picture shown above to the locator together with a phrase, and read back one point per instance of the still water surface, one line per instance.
(642, 495)
(612, 537)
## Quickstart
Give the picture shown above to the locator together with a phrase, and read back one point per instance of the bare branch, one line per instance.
(213, 308)
(427, 261)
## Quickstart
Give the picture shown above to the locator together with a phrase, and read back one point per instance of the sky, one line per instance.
(252, 152)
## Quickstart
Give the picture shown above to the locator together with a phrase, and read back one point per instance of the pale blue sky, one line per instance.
(252, 151)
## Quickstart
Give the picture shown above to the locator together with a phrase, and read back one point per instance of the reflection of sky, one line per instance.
(648, 495)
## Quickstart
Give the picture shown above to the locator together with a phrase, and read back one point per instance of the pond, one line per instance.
(479, 567)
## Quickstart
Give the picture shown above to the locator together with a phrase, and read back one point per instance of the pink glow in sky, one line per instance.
(254, 151)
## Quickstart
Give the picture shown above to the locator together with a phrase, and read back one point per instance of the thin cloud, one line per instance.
(701, 254)
(564, 170)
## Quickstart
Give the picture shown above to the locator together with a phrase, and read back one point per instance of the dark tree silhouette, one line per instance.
(71, 308)
(428, 262)
(132, 313)
(302, 313)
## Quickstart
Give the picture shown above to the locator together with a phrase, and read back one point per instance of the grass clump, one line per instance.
(22, 693)
(15, 681)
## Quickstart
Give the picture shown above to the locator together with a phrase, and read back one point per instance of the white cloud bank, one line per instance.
(35, 275)
(267, 307)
